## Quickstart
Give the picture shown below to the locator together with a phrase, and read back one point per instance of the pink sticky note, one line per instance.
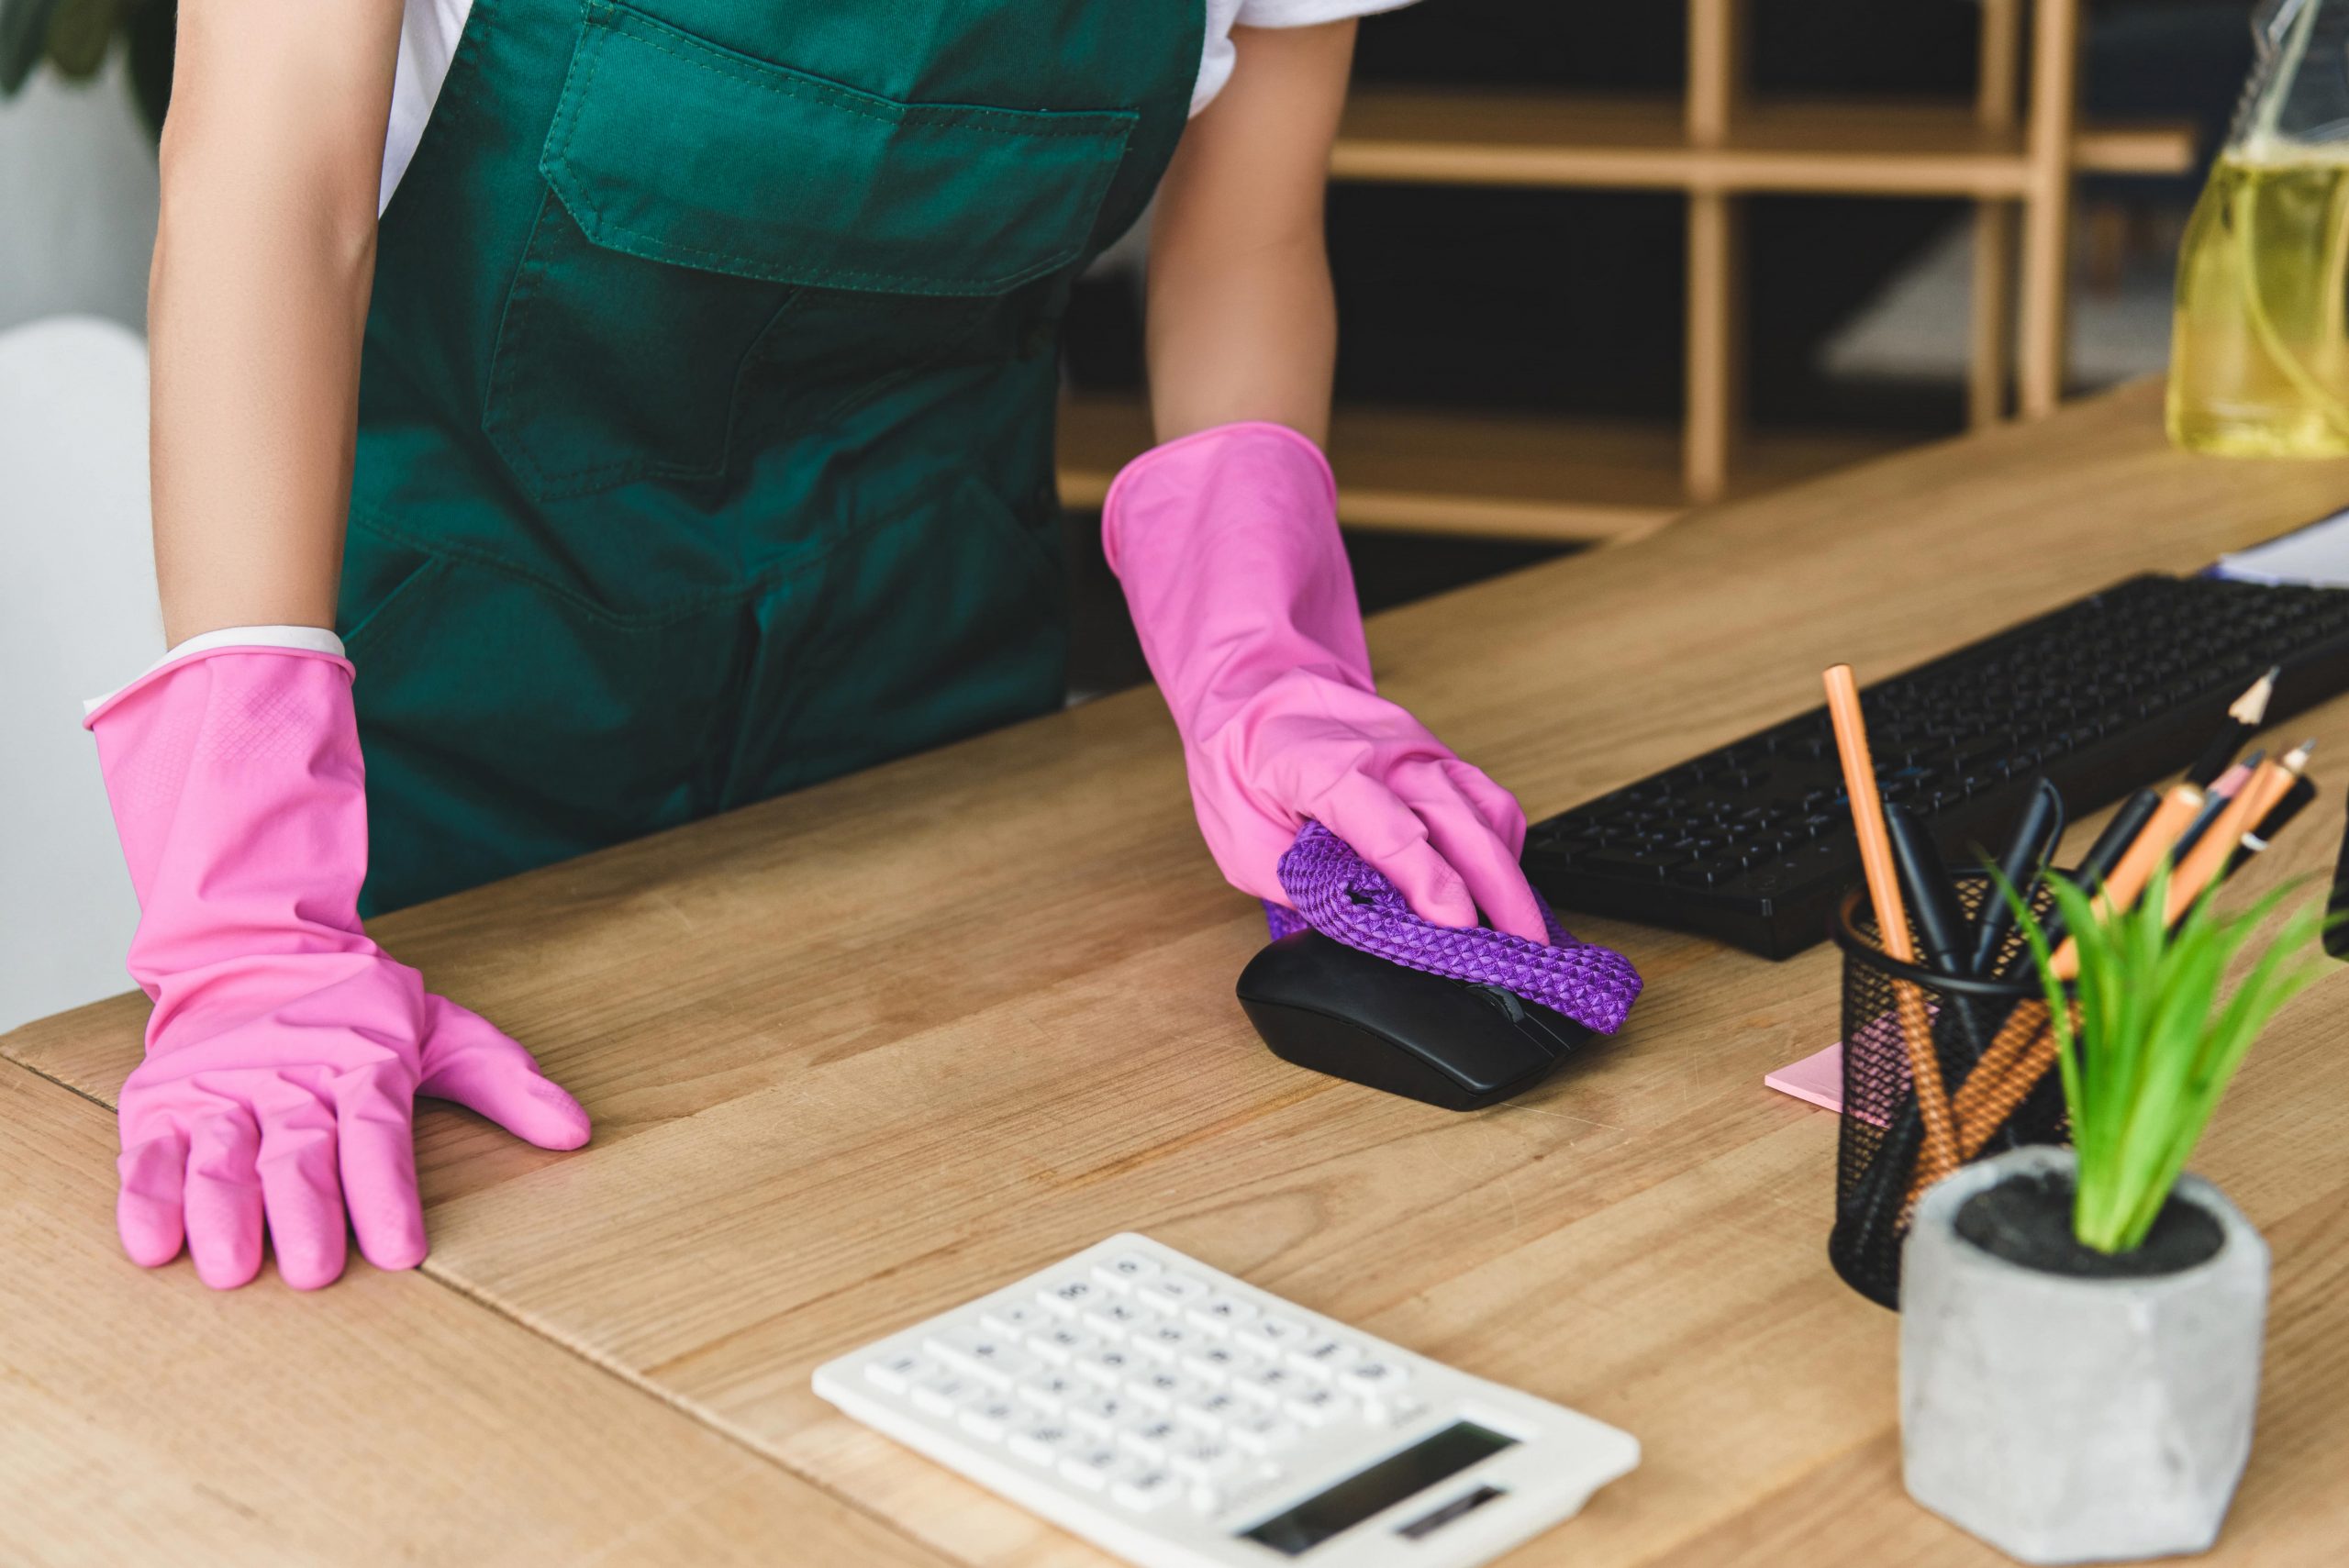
(1818, 1078)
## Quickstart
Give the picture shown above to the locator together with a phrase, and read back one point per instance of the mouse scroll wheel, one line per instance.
(1501, 1001)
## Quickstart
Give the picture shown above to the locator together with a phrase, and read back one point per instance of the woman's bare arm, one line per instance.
(1242, 322)
(264, 256)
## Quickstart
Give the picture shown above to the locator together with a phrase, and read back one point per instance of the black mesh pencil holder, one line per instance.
(1882, 1134)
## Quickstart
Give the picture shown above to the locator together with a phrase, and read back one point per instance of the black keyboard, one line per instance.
(1753, 843)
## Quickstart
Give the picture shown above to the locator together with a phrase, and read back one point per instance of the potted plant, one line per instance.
(2081, 1328)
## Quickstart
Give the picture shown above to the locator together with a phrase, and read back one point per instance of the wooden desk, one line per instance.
(858, 1054)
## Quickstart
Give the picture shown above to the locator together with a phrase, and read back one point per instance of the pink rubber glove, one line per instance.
(1227, 544)
(285, 1049)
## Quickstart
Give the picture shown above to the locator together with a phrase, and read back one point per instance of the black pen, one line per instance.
(2256, 838)
(1932, 899)
(2035, 833)
(2104, 854)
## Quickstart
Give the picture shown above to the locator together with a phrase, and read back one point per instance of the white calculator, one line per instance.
(1180, 1418)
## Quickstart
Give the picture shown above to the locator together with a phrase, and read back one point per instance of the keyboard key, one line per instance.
(1145, 1488)
(1093, 1468)
(1123, 1270)
(1063, 1343)
(990, 1419)
(1069, 1298)
(894, 1374)
(947, 1393)
(1042, 1443)
(1047, 1391)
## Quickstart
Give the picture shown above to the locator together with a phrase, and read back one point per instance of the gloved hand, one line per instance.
(286, 1049)
(1226, 545)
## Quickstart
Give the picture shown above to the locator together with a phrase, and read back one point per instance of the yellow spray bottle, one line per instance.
(2259, 361)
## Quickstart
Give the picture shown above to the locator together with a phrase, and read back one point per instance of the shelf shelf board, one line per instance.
(1458, 136)
(1494, 476)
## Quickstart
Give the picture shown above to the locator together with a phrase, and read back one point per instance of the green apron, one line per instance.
(706, 428)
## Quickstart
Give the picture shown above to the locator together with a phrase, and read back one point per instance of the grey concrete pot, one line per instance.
(2067, 1419)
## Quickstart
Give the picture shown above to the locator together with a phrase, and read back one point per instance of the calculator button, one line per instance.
(1268, 1432)
(982, 1355)
(1324, 1357)
(1017, 1319)
(1171, 1293)
(1092, 1468)
(1063, 1343)
(1123, 1270)
(947, 1393)
(1271, 1385)
(1161, 1387)
(1048, 1390)
(1150, 1438)
(1319, 1407)
(1099, 1412)
(1209, 1409)
(1373, 1378)
(1221, 1312)
(1164, 1341)
(1219, 1363)
(1275, 1336)
(894, 1374)
(1143, 1488)
(1116, 1317)
(1205, 1459)
(1042, 1443)
(990, 1419)
(1109, 1365)
(1069, 1298)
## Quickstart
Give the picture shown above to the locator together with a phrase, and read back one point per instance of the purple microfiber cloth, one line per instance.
(1343, 896)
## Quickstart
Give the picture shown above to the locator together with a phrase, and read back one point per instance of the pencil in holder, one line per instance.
(1975, 1024)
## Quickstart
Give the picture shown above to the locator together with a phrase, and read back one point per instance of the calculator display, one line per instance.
(1367, 1492)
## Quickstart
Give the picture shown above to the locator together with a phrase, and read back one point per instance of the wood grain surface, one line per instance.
(860, 1053)
(145, 1420)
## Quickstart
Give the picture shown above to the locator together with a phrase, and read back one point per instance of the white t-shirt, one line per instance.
(429, 35)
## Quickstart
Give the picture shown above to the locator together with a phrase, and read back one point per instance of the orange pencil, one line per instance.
(1940, 1153)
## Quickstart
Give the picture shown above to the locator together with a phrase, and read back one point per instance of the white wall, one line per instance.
(77, 202)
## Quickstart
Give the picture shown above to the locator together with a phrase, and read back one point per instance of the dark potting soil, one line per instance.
(2027, 1221)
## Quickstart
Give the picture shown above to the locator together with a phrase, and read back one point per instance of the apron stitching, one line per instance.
(575, 190)
(451, 551)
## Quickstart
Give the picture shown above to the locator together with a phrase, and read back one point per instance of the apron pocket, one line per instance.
(720, 231)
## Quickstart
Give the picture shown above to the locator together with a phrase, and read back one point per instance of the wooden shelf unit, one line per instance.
(1494, 476)
(1586, 481)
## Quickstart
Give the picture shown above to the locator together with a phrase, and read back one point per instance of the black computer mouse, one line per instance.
(1338, 1010)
